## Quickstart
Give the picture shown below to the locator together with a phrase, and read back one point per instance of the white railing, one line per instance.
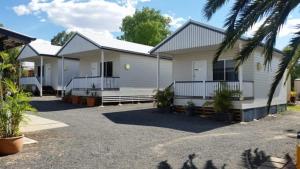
(79, 83)
(206, 89)
(30, 81)
(195, 88)
(212, 86)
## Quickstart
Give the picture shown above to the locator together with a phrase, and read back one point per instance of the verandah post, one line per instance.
(158, 72)
(240, 73)
(62, 75)
(41, 76)
(102, 70)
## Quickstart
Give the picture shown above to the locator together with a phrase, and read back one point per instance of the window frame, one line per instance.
(224, 70)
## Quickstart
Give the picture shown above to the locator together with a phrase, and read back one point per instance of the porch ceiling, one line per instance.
(38, 59)
(212, 48)
(89, 53)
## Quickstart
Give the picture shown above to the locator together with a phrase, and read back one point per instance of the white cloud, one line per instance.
(21, 10)
(176, 22)
(98, 16)
(287, 29)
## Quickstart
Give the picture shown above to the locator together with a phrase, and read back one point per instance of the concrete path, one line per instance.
(36, 123)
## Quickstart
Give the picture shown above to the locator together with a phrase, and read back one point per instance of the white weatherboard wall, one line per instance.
(183, 65)
(27, 52)
(77, 45)
(71, 70)
(182, 71)
(95, 57)
(142, 73)
(263, 79)
(140, 79)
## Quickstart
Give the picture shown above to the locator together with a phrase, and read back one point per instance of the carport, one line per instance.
(10, 39)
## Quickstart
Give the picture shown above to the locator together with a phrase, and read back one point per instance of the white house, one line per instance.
(39, 53)
(195, 77)
(115, 70)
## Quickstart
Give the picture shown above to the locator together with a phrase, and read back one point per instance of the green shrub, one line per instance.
(14, 106)
(164, 98)
(222, 100)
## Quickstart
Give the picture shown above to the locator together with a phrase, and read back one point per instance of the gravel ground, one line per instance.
(137, 137)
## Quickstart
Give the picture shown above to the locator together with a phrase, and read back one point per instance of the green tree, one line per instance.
(146, 27)
(246, 13)
(61, 38)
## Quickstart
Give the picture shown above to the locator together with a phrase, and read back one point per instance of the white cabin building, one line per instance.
(46, 66)
(195, 77)
(116, 70)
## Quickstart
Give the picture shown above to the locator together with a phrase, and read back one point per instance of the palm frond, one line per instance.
(249, 14)
(286, 60)
(237, 7)
(212, 6)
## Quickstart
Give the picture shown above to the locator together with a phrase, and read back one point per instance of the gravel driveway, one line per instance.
(137, 137)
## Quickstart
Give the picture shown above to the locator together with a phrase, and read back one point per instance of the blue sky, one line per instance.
(44, 18)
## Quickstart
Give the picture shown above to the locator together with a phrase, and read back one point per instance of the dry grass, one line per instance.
(295, 108)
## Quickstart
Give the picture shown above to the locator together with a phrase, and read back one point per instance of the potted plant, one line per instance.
(164, 100)
(75, 99)
(222, 102)
(190, 108)
(14, 105)
(91, 100)
(67, 98)
(293, 97)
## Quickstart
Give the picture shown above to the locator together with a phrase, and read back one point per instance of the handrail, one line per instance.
(88, 81)
(205, 89)
(211, 81)
(82, 77)
(69, 82)
(30, 80)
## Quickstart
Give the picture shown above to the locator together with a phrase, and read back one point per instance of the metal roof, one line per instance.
(194, 34)
(43, 47)
(10, 39)
(112, 44)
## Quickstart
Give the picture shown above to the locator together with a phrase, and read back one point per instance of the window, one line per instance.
(39, 71)
(224, 70)
(108, 69)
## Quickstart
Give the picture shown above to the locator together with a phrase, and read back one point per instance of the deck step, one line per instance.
(111, 99)
(209, 112)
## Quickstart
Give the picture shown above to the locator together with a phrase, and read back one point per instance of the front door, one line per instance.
(47, 75)
(94, 69)
(199, 70)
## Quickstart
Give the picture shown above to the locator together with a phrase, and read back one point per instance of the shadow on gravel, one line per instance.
(150, 117)
(189, 164)
(249, 160)
(53, 105)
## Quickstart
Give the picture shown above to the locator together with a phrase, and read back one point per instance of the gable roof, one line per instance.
(112, 44)
(10, 39)
(42, 47)
(219, 32)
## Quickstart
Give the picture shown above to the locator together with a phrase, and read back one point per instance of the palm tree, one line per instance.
(246, 13)
(5, 64)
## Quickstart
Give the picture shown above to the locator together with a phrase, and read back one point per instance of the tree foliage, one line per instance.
(147, 27)
(61, 38)
(246, 13)
(295, 70)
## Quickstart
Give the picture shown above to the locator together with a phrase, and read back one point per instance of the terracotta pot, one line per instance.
(91, 101)
(69, 99)
(11, 145)
(75, 99)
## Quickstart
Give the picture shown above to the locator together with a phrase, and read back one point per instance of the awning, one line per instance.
(10, 39)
